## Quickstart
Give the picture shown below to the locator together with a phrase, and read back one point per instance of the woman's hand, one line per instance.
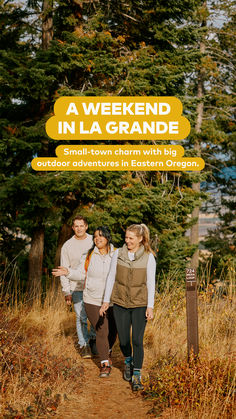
(149, 313)
(60, 271)
(103, 309)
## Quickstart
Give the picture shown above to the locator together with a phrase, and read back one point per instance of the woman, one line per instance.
(93, 269)
(131, 288)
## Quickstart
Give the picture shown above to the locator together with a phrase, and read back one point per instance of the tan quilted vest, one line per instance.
(130, 288)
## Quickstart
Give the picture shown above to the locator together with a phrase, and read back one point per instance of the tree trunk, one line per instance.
(194, 232)
(47, 24)
(37, 242)
(64, 235)
(36, 263)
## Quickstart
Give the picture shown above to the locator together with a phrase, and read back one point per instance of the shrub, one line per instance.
(33, 380)
(194, 385)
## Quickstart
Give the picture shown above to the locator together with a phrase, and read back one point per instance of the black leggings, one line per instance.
(125, 318)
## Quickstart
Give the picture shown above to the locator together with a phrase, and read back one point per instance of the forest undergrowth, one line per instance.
(40, 366)
(39, 362)
(203, 387)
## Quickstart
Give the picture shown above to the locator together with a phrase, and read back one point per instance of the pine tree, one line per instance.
(194, 232)
(221, 131)
(122, 49)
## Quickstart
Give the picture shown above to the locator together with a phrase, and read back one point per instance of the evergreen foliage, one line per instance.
(105, 48)
(219, 134)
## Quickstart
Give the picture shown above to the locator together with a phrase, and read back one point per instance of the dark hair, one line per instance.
(79, 217)
(105, 232)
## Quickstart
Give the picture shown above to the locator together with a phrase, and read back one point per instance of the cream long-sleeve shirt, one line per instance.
(95, 282)
(71, 254)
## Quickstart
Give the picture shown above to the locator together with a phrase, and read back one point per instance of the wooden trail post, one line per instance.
(192, 311)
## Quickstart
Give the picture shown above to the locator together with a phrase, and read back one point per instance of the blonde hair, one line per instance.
(141, 230)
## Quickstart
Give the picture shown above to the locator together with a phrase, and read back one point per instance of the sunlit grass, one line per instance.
(41, 367)
(39, 359)
(202, 388)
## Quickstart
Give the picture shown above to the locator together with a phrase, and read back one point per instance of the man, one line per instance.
(71, 253)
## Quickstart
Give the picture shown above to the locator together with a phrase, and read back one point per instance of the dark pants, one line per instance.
(125, 318)
(105, 328)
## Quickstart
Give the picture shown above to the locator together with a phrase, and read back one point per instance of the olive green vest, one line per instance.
(130, 287)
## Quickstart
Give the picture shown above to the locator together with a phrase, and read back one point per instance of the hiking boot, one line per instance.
(136, 383)
(128, 372)
(92, 344)
(85, 352)
(105, 371)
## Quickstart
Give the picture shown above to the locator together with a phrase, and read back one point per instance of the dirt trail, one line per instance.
(105, 397)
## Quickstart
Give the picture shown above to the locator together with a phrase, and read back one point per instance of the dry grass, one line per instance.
(41, 367)
(39, 360)
(203, 388)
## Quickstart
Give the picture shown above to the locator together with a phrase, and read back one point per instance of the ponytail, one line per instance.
(142, 230)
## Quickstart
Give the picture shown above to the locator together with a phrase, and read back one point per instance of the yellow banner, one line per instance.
(118, 118)
(119, 158)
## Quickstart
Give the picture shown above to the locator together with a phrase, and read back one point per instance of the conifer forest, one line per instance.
(185, 49)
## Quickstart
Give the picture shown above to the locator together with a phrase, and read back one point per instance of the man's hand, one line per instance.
(68, 299)
(60, 271)
(103, 309)
(149, 313)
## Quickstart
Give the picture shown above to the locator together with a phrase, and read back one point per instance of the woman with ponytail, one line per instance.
(130, 288)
